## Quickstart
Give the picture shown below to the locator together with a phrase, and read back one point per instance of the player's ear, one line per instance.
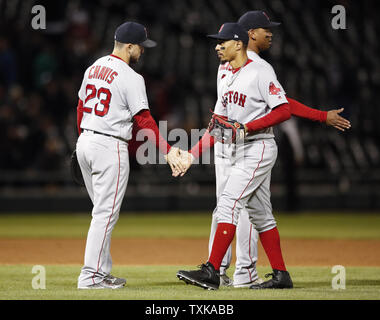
(129, 47)
(251, 34)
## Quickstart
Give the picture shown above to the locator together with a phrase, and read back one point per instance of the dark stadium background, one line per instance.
(41, 71)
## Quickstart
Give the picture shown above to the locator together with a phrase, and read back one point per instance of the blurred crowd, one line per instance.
(41, 72)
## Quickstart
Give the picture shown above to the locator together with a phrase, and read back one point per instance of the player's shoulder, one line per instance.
(262, 69)
(97, 61)
(134, 76)
(259, 63)
(123, 68)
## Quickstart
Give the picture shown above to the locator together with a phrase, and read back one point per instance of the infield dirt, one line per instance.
(142, 251)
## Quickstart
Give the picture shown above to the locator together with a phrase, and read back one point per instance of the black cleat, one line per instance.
(207, 277)
(280, 280)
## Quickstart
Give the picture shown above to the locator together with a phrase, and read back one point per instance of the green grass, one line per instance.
(143, 225)
(330, 225)
(187, 225)
(160, 283)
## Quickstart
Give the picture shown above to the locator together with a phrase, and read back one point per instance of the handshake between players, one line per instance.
(230, 132)
(179, 161)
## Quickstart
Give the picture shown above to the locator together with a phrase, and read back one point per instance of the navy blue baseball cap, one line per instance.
(231, 31)
(256, 19)
(135, 33)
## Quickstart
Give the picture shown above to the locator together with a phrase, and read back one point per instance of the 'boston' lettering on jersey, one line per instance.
(235, 97)
(102, 73)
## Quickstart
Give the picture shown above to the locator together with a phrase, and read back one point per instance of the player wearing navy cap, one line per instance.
(134, 33)
(246, 93)
(112, 96)
(258, 25)
(259, 29)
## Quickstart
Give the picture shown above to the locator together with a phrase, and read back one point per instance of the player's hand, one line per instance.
(336, 121)
(173, 158)
(187, 160)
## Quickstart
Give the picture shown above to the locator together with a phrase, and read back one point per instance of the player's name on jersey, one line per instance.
(102, 73)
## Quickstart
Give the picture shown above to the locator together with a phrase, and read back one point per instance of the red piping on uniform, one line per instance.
(249, 252)
(237, 69)
(258, 165)
(109, 220)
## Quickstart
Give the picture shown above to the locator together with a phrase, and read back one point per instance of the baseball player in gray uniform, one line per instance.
(111, 97)
(250, 91)
(246, 236)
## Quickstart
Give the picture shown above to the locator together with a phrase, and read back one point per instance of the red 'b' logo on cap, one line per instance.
(221, 28)
(265, 15)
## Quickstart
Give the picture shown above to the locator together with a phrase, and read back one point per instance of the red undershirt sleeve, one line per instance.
(206, 142)
(300, 110)
(79, 115)
(276, 116)
(144, 120)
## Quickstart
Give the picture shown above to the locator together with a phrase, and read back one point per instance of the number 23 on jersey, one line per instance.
(104, 97)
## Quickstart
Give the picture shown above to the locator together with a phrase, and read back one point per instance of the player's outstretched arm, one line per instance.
(276, 116)
(331, 118)
(144, 120)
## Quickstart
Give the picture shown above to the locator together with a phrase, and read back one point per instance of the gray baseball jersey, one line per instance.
(112, 93)
(247, 94)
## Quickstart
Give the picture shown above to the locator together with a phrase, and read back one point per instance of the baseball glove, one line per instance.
(226, 131)
(76, 173)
